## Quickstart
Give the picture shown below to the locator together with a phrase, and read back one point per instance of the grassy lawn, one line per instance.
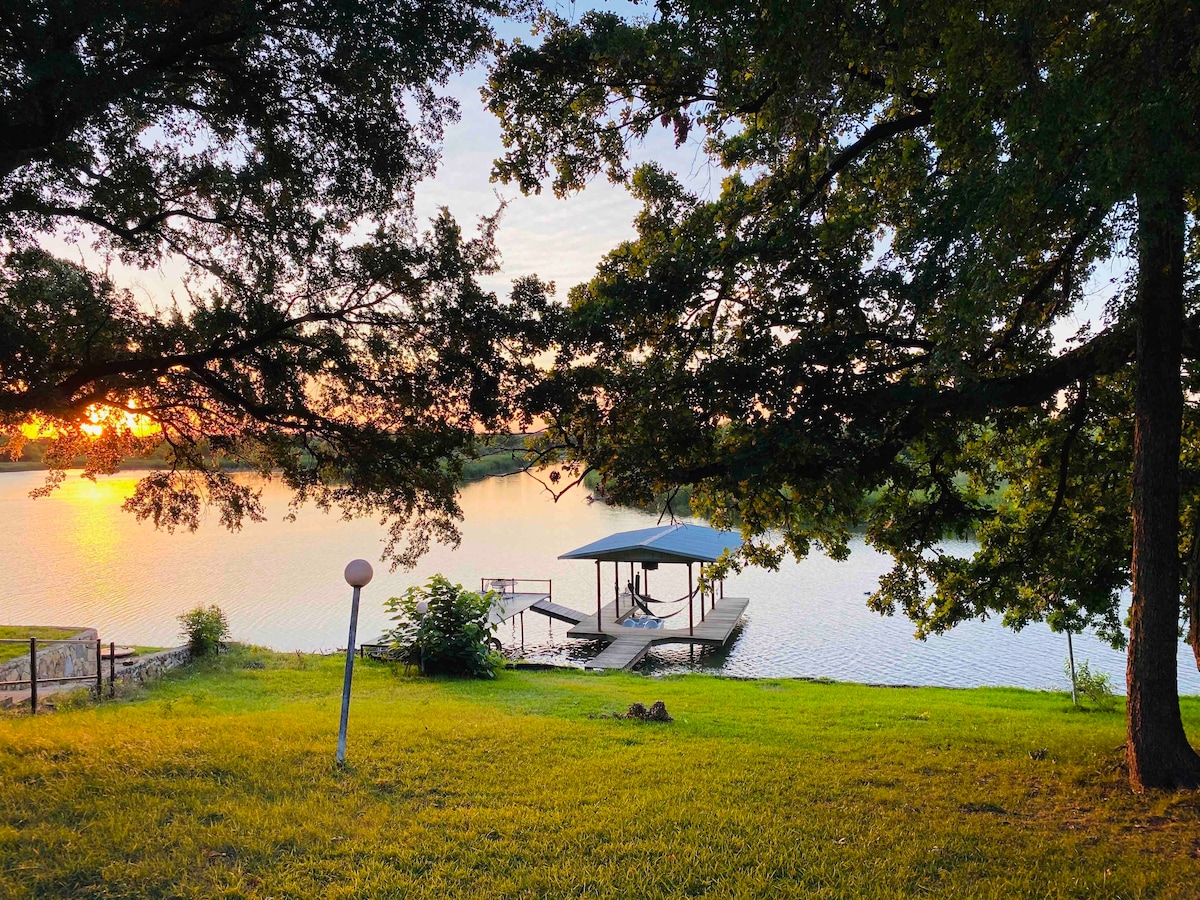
(24, 633)
(219, 782)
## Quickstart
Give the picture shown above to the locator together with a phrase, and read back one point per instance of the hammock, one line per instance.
(642, 602)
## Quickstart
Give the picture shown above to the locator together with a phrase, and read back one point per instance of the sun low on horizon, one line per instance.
(98, 419)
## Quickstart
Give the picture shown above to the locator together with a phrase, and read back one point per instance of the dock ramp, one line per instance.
(556, 611)
(623, 653)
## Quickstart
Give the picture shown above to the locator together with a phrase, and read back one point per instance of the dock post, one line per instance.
(99, 673)
(112, 668)
(691, 614)
(522, 631)
(617, 586)
(597, 595)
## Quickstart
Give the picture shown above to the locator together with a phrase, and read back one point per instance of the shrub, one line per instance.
(1096, 686)
(453, 637)
(206, 630)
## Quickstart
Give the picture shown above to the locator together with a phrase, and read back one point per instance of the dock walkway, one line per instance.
(509, 605)
(623, 653)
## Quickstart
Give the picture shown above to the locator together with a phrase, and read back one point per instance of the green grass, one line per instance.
(220, 782)
(24, 633)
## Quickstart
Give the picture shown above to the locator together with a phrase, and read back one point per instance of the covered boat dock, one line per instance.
(629, 620)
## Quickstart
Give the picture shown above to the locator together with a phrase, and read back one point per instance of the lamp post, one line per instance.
(358, 575)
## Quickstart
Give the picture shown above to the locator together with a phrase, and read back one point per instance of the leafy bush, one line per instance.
(1096, 686)
(453, 637)
(206, 630)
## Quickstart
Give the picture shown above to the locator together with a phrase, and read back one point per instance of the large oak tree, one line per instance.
(859, 325)
(265, 151)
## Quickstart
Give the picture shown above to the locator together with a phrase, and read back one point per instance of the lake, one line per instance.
(75, 558)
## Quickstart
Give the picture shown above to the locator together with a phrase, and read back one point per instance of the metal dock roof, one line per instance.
(667, 543)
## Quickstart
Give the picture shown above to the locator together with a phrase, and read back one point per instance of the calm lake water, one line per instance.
(76, 559)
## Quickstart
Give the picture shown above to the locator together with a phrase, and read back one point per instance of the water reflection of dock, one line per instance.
(628, 621)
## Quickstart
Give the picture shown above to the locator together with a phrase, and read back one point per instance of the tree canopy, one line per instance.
(268, 149)
(869, 323)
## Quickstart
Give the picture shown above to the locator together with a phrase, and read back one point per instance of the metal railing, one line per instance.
(33, 680)
(509, 585)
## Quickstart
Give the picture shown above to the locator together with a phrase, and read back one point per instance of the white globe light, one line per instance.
(359, 573)
(422, 607)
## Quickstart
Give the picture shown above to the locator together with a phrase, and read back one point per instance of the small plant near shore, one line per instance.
(206, 630)
(451, 637)
(1096, 686)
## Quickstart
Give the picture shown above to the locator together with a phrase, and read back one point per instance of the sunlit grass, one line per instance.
(221, 783)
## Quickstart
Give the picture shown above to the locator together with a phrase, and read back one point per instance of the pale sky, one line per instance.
(559, 240)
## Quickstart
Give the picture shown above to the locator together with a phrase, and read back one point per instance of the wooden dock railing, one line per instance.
(510, 586)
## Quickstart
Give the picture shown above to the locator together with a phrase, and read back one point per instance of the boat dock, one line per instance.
(710, 620)
(629, 644)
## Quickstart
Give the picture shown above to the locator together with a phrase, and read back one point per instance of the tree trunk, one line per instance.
(1158, 751)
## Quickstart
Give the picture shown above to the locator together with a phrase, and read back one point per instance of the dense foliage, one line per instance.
(265, 153)
(873, 303)
(452, 636)
(206, 629)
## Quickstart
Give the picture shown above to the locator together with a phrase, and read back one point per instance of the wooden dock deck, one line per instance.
(623, 653)
(628, 645)
(715, 629)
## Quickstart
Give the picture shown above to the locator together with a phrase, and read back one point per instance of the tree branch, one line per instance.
(877, 133)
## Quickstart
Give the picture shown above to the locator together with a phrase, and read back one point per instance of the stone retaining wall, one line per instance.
(147, 668)
(56, 660)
